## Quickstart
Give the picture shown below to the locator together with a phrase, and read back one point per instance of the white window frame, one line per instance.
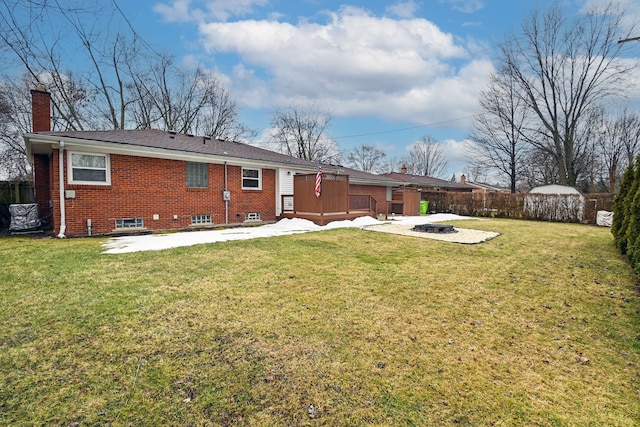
(201, 219)
(70, 168)
(259, 179)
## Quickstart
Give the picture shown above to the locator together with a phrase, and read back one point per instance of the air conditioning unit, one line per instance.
(25, 217)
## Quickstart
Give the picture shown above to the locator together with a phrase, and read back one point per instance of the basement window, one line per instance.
(125, 223)
(251, 179)
(89, 168)
(200, 219)
(254, 216)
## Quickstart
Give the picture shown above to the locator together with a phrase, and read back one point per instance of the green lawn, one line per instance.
(537, 327)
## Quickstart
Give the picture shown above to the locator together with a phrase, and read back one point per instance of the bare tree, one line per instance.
(615, 140)
(391, 164)
(497, 131)
(539, 168)
(92, 98)
(219, 117)
(15, 121)
(629, 125)
(366, 158)
(170, 98)
(122, 83)
(562, 69)
(426, 157)
(12, 152)
(476, 172)
(300, 131)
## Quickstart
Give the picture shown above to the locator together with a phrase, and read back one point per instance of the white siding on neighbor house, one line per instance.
(284, 182)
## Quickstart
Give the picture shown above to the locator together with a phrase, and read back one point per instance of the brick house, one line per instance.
(118, 181)
(428, 184)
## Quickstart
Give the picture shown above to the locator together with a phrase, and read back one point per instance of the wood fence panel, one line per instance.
(334, 194)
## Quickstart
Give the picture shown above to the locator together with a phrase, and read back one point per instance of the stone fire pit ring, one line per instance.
(434, 228)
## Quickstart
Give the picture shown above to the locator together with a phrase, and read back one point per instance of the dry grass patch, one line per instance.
(346, 327)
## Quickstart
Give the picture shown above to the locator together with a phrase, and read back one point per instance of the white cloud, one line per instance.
(219, 10)
(630, 10)
(190, 62)
(178, 11)
(385, 147)
(353, 64)
(223, 9)
(456, 152)
(465, 6)
(403, 9)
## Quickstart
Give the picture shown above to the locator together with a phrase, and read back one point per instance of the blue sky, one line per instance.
(391, 71)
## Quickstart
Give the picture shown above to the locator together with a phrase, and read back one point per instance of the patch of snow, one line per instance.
(156, 242)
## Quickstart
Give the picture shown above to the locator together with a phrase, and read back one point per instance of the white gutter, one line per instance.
(63, 221)
(226, 202)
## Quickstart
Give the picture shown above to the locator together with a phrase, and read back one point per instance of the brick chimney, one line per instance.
(403, 170)
(463, 179)
(41, 110)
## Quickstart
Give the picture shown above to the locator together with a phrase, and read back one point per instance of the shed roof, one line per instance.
(554, 189)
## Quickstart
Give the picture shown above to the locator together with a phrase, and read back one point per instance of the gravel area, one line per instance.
(461, 235)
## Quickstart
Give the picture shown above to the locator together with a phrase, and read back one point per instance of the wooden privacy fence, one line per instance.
(546, 207)
(334, 188)
(334, 202)
(404, 201)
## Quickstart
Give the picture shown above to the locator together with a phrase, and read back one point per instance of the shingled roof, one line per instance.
(426, 181)
(184, 143)
(173, 141)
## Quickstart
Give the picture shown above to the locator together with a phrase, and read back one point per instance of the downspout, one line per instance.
(226, 201)
(63, 220)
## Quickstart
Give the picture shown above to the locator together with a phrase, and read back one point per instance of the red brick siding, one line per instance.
(42, 181)
(142, 187)
(41, 110)
(377, 192)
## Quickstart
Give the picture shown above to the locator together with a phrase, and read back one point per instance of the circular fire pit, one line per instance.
(434, 228)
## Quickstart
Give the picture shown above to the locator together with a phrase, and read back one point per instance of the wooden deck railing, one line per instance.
(362, 203)
(357, 203)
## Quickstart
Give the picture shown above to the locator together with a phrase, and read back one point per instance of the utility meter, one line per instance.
(226, 196)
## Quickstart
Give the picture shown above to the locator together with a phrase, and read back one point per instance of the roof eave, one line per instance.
(112, 147)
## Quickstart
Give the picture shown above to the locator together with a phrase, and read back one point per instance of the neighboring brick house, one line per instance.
(427, 184)
(103, 182)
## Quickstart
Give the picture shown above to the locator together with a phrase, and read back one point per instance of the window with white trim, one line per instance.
(89, 168)
(200, 219)
(197, 175)
(124, 223)
(251, 179)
